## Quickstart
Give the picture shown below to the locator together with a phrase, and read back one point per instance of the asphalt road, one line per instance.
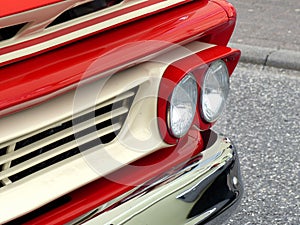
(268, 23)
(263, 119)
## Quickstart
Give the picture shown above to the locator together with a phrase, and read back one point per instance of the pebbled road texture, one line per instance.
(263, 120)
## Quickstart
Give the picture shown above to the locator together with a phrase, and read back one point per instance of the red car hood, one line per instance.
(10, 7)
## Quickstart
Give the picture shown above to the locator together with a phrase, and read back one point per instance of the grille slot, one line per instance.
(94, 126)
(84, 9)
(9, 32)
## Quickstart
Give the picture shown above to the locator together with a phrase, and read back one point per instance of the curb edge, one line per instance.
(280, 58)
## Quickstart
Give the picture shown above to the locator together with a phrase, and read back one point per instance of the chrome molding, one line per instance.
(173, 198)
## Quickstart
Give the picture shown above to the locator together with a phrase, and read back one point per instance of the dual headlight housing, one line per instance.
(184, 101)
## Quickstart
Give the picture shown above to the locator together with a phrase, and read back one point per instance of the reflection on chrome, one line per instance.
(200, 190)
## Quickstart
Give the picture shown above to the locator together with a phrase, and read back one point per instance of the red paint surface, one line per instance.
(10, 7)
(228, 7)
(51, 71)
(76, 27)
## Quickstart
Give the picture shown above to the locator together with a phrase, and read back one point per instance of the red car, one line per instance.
(106, 111)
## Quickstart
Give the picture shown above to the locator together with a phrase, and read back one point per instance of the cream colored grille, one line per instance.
(24, 156)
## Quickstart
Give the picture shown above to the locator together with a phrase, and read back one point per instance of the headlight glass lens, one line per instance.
(183, 106)
(215, 91)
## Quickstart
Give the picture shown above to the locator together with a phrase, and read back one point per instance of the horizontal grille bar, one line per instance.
(45, 156)
(63, 139)
(121, 97)
(60, 135)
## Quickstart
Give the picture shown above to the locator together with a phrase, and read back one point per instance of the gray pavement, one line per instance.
(268, 32)
(263, 112)
(263, 120)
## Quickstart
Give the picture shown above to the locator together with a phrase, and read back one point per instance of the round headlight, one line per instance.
(183, 106)
(214, 91)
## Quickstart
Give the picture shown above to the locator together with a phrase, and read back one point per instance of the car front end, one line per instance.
(107, 109)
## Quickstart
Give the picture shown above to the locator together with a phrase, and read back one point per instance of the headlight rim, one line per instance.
(169, 126)
(222, 106)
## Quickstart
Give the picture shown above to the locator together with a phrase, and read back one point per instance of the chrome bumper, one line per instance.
(204, 190)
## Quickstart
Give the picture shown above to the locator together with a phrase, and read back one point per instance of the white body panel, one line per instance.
(139, 136)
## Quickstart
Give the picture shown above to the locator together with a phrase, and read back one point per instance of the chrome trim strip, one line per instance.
(166, 198)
